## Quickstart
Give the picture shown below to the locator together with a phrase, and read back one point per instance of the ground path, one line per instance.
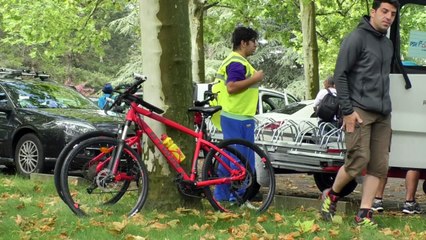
(303, 185)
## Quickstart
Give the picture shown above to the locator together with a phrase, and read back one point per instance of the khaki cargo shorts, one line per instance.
(369, 145)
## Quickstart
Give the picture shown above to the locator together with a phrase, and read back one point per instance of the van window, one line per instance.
(413, 36)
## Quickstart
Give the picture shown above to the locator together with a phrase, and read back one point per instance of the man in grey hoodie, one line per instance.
(362, 83)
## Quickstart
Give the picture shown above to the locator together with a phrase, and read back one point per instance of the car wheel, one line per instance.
(326, 180)
(29, 155)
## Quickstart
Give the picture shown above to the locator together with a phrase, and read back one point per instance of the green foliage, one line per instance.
(279, 22)
(279, 64)
(334, 20)
(55, 28)
(99, 40)
(71, 40)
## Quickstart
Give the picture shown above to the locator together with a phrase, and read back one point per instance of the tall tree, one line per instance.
(310, 47)
(166, 56)
(196, 8)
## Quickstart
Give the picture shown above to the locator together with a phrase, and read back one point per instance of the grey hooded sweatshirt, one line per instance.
(362, 70)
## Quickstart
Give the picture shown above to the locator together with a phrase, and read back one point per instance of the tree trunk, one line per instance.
(310, 47)
(197, 15)
(166, 57)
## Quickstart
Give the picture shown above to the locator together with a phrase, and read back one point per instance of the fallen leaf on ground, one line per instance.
(173, 223)
(118, 227)
(158, 226)
(333, 232)
(259, 228)
(278, 218)
(289, 236)
(133, 237)
(337, 219)
(208, 236)
(19, 220)
(194, 227)
(262, 219)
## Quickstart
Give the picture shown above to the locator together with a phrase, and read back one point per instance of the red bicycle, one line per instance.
(101, 173)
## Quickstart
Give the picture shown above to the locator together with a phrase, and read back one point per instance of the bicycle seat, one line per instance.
(205, 110)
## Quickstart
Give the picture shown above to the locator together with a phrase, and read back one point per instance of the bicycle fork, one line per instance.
(108, 174)
(116, 153)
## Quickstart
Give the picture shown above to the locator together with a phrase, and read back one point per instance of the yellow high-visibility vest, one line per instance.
(239, 104)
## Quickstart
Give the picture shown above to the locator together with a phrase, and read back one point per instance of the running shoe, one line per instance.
(377, 205)
(329, 204)
(411, 208)
(366, 221)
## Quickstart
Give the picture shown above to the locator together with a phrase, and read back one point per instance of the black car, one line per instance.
(38, 117)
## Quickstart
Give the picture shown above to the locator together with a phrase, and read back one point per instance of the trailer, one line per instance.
(301, 147)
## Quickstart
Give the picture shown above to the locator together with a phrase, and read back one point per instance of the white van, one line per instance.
(408, 90)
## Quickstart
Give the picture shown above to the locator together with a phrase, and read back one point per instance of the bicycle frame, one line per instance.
(133, 115)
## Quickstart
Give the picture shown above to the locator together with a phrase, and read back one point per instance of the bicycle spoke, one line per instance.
(253, 193)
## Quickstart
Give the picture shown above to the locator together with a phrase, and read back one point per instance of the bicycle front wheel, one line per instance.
(254, 193)
(61, 158)
(89, 187)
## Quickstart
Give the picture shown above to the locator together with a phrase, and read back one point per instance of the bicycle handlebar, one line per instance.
(129, 97)
(209, 97)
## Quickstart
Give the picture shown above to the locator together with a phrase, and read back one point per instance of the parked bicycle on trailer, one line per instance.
(104, 173)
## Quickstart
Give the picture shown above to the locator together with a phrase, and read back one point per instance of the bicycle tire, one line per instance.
(61, 158)
(243, 195)
(87, 187)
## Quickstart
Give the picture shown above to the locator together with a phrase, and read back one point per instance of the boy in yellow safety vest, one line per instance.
(238, 94)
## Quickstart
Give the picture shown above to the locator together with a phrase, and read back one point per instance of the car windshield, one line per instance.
(39, 94)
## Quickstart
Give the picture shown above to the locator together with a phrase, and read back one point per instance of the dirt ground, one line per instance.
(303, 185)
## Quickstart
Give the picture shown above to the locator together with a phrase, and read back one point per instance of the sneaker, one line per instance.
(366, 221)
(377, 205)
(411, 208)
(329, 204)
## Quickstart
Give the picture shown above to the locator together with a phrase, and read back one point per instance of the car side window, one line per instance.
(267, 105)
(292, 99)
(272, 102)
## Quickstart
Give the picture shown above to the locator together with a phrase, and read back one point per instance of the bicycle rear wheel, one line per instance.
(88, 187)
(255, 193)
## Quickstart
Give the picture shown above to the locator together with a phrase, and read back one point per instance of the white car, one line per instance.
(274, 105)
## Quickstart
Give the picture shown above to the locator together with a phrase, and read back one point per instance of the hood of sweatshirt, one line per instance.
(365, 24)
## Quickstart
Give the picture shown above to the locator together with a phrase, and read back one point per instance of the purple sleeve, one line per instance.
(236, 72)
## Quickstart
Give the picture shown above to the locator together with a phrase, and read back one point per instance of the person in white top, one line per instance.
(328, 84)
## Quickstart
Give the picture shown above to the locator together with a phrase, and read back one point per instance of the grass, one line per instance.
(33, 210)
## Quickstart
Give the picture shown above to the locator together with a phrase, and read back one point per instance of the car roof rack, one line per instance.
(18, 74)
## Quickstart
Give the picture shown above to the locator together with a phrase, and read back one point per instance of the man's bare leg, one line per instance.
(342, 178)
(381, 188)
(369, 189)
(411, 182)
